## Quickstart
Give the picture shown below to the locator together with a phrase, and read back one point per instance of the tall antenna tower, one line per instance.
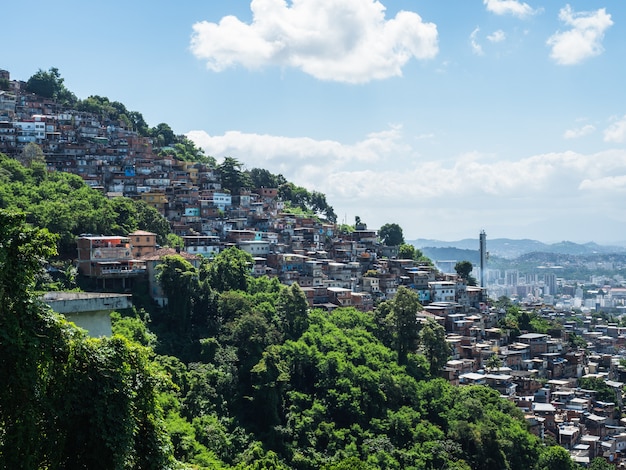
(483, 258)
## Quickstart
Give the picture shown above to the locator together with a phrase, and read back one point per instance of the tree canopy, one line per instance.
(464, 269)
(67, 401)
(65, 205)
(391, 235)
(50, 85)
(234, 179)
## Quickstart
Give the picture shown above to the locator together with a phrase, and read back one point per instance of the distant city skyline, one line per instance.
(446, 118)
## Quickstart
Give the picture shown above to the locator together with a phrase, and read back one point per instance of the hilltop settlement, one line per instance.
(562, 367)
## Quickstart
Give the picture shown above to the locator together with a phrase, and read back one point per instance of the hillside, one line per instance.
(509, 248)
(234, 371)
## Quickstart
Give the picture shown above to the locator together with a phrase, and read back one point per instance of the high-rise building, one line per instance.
(549, 281)
(511, 277)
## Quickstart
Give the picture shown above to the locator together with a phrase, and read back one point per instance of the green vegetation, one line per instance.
(603, 391)
(65, 205)
(235, 372)
(50, 85)
(68, 401)
(246, 377)
(518, 320)
(313, 203)
(391, 235)
(464, 269)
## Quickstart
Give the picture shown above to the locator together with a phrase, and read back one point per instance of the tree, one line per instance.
(186, 150)
(434, 346)
(391, 235)
(24, 344)
(555, 458)
(404, 308)
(119, 418)
(32, 155)
(407, 251)
(50, 85)
(493, 363)
(233, 179)
(320, 206)
(163, 134)
(179, 280)
(230, 270)
(262, 178)
(293, 309)
(148, 218)
(604, 390)
(600, 463)
(463, 269)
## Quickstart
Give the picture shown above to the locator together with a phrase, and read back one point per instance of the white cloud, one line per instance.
(382, 178)
(607, 183)
(338, 40)
(289, 155)
(583, 40)
(509, 7)
(497, 36)
(340, 168)
(616, 132)
(476, 48)
(579, 132)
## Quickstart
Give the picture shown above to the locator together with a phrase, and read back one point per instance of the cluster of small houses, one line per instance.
(539, 371)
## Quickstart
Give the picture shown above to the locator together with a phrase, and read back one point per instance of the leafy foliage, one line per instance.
(232, 177)
(114, 112)
(66, 206)
(67, 401)
(603, 390)
(313, 202)
(391, 235)
(234, 372)
(50, 85)
(262, 178)
(464, 269)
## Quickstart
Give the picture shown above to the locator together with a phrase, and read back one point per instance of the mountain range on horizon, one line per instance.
(511, 248)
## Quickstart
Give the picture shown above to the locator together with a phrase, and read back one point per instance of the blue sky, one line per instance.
(444, 117)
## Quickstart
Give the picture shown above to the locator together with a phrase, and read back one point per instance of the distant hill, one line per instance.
(467, 249)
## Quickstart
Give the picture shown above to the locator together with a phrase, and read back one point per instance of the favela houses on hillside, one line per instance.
(542, 373)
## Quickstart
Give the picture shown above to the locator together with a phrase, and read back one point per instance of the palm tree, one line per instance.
(493, 363)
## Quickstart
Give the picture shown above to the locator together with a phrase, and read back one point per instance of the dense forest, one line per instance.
(236, 372)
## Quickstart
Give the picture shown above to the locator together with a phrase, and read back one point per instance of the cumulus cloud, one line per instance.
(497, 36)
(607, 183)
(584, 38)
(579, 132)
(510, 7)
(476, 47)
(351, 168)
(616, 132)
(338, 40)
(382, 178)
